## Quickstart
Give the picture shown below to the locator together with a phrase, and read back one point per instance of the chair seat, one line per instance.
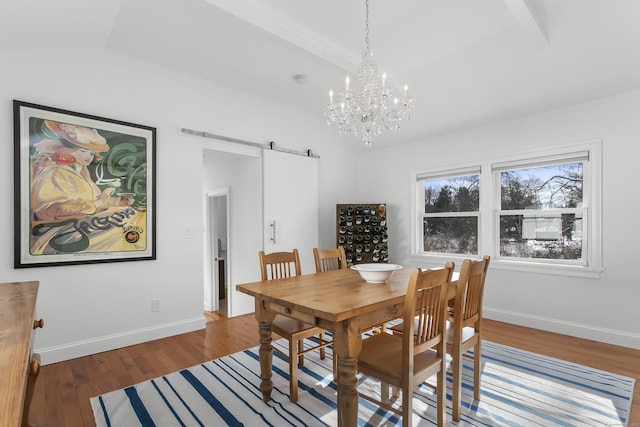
(380, 355)
(467, 333)
(293, 327)
(296, 330)
(397, 329)
(288, 327)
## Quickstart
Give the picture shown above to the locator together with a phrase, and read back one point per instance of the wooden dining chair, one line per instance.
(335, 259)
(329, 259)
(464, 328)
(405, 361)
(279, 265)
(398, 328)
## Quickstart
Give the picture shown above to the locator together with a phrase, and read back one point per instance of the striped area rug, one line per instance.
(518, 389)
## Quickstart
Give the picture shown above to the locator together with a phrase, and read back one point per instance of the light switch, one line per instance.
(189, 233)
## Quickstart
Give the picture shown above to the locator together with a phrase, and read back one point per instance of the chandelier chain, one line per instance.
(366, 26)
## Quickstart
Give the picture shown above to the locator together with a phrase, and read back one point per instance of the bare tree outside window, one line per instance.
(450, 216)
(541, 212)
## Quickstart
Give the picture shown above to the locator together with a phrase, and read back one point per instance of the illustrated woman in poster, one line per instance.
(62, 187)
(70, 211)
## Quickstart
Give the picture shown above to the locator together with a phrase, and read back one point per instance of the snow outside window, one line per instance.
(539, 211)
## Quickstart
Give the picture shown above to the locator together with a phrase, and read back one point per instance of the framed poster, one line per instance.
(84, 188)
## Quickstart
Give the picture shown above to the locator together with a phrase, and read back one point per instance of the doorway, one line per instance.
(245, 218)
(218, 254)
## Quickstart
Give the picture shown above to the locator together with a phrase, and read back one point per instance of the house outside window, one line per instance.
(541, 210)
(537, 211)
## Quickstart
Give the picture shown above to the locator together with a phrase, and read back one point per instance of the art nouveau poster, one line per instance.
(84, 188)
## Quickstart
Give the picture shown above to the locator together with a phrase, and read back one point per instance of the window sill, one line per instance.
(430, 261)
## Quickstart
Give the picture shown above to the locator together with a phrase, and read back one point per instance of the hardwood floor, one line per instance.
(63, 389)
(214, 315)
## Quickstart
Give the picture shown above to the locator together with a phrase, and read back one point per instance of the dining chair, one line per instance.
(406, 360)
(329, 259)
(335, 259)
(398, 328)
(279, 265)
(464, 328)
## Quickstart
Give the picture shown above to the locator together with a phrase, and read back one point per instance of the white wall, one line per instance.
(604, 309)
(92, 308)
(99, 307)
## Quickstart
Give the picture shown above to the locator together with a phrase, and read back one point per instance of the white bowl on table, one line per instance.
(376, 272)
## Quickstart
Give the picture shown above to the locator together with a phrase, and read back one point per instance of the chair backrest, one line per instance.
(470, 291)
(425, 309)
(329, 259)
(278, 265)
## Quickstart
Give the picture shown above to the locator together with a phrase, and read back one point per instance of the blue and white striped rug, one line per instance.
(518, 389)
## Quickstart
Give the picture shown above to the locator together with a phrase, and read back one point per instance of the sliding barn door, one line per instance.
(290, 190)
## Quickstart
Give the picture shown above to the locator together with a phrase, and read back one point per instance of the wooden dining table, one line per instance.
(339, 301)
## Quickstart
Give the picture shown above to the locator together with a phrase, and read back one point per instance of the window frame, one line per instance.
(448, 173)
(489, 213)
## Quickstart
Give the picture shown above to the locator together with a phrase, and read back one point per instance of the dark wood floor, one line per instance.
(63, 389)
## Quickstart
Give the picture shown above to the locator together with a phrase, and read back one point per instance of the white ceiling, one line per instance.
(466, 62)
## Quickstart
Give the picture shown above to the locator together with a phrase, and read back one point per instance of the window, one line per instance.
(529, 212)
(541, 209)
(451, 206)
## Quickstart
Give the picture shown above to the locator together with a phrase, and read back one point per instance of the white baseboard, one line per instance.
(589, 332)
(111, 342)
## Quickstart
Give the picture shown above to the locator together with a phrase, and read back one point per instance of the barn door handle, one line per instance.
(273, 231)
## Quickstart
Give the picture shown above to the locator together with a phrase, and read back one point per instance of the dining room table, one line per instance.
(339, 301)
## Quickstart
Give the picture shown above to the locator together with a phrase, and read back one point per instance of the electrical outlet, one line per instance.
(155, 305)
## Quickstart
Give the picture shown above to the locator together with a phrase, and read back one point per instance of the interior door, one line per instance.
(290, 205)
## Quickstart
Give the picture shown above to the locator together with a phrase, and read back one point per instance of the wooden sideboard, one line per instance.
(18, 364)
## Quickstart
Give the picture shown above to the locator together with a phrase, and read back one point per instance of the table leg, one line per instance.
(265, 352)
(266, 359)
(347, 393)
(34, 370)
(347, 346)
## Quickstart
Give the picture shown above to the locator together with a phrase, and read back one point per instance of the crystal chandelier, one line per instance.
(372, 110)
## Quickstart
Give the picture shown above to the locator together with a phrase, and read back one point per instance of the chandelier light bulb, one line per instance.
(371, 109)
